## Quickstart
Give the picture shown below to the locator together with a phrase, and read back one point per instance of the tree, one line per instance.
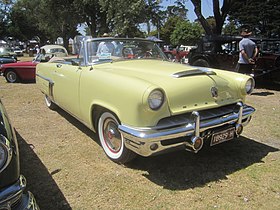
(220, 15)
(168, 28)
(22, 24)
(231, 28)
(153, 15)
(123, 18)
(186, 33)
(5, 7)
(262, 15)
(93, 16)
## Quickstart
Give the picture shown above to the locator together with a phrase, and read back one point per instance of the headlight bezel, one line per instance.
(6, 152)
(156, 99)
(249, 86)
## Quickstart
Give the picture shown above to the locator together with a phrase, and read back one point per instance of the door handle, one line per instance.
(58, 65)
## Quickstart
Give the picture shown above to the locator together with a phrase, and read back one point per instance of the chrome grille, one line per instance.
(185, 118)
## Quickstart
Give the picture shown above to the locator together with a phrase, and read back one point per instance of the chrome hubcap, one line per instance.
(112, 135)
(11, 76)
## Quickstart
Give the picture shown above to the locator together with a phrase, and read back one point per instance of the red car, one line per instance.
(26, 71)
(178, 54)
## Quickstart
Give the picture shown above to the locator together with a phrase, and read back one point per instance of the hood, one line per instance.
(186, 88)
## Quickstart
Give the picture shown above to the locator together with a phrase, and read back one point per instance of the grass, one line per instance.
(66, 168)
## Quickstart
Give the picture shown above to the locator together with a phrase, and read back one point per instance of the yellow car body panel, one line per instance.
(121, 86)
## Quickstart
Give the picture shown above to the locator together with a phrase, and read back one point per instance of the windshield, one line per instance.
(121, 49)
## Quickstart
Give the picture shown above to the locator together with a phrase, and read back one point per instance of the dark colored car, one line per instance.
(222, 52)
(4, 60)
(12, 183)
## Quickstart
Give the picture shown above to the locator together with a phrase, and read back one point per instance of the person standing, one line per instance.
(248, 52)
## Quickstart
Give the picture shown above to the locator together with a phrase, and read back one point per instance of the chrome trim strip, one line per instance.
(139, 139)
(45, 78)
(51, 84)
(193, 72)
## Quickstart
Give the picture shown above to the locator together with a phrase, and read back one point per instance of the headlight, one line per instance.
(5, 153)
(156, 99)
(249, 86)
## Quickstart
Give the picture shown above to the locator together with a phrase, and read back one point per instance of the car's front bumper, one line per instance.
(13, 198)
(149, 141)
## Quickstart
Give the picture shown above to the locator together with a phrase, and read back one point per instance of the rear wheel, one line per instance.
(201, 62)
(112, 140)
(11, 76)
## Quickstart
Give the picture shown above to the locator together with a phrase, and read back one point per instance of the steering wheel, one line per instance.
(127, 52)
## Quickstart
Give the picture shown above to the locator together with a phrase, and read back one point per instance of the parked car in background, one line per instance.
(12, 183)
(178, 54)
(25, 71)
(18, 51)
(222, 52)
(4, 60)
(7, 52)
(138, 102)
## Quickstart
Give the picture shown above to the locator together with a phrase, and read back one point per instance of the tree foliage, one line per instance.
(123, 18)
(48, 19)
(5, 7)
(186, 33)
(262, 15)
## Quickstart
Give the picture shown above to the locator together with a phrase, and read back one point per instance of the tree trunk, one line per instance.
(219, 15)
(200, 17)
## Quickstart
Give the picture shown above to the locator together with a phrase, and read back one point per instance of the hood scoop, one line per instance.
(193, 72)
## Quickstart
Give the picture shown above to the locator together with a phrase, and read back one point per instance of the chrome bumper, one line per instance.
(12, 197)
(149, 141)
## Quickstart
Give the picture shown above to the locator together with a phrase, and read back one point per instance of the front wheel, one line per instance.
(112, 140)
(11, 76)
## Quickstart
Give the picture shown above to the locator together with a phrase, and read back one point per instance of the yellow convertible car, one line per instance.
(140, 103)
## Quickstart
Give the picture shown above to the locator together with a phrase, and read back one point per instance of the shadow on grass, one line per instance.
(39, 180)
(183, 170)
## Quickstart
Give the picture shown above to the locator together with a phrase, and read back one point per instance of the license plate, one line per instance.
(222, 136)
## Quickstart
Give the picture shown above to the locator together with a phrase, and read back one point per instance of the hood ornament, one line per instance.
(214, 92)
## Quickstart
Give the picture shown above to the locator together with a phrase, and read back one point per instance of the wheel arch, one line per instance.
(12, 69)
(97, 110)
(195, 58)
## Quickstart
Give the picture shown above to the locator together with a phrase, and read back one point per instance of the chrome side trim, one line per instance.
(45, 78)
(140, 139)
(51, 84)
